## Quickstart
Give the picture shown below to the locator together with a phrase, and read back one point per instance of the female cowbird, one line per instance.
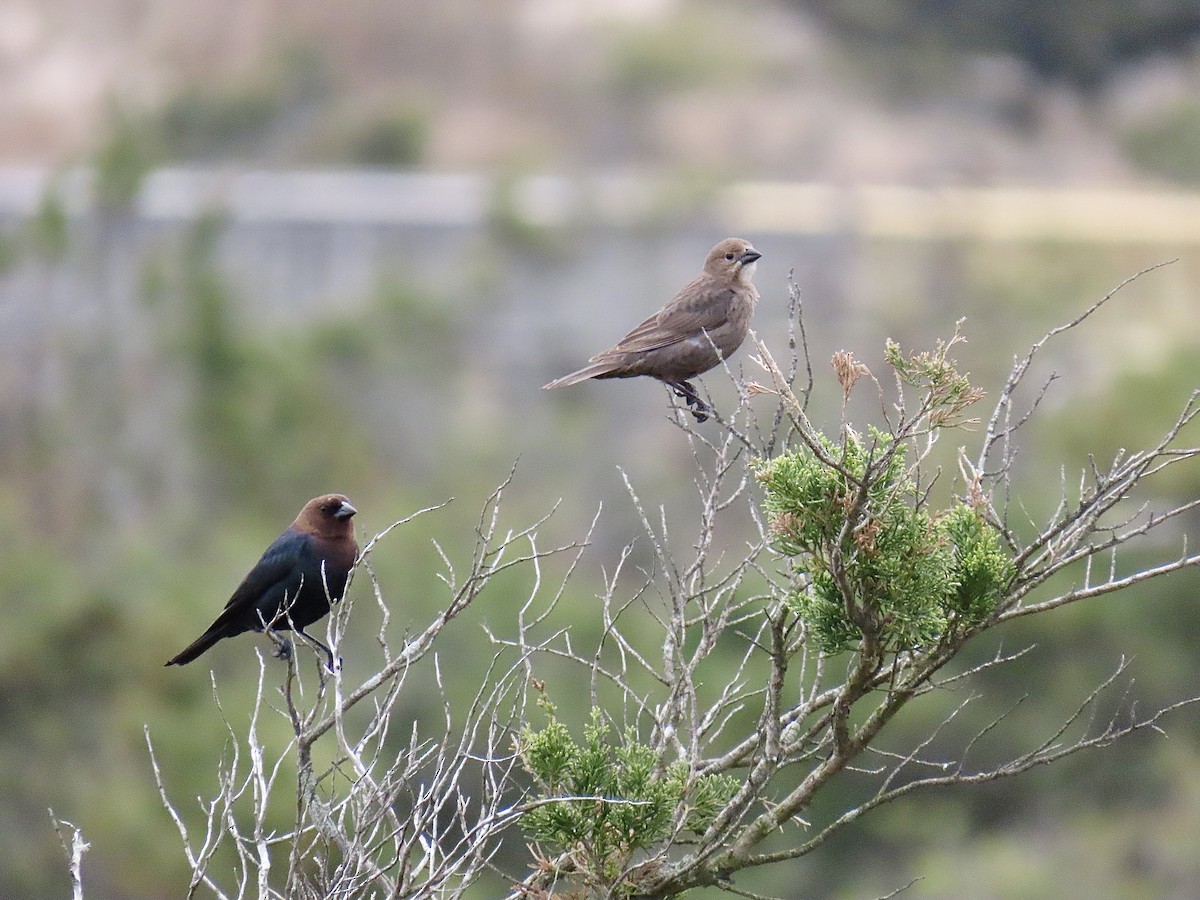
(703, 324)
(287, 587)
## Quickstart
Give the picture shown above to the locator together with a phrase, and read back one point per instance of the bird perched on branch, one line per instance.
(291, 586)
(703, 324)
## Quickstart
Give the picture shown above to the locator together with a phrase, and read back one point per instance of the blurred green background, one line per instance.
(251, 252)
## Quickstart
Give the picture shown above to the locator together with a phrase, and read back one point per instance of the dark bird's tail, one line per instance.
(595, 370)
(196, 647)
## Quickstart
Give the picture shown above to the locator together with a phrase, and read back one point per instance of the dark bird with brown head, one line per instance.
(701, 326)
(286, 589)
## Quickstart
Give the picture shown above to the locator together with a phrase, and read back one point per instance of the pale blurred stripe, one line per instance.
(985, 214)
(756, 208)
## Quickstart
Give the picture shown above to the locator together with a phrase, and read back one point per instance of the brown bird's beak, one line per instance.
(345, 511)
(749, 256)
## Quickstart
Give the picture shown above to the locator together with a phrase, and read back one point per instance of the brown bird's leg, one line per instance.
(686, 391)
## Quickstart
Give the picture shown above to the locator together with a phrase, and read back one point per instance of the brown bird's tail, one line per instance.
(595, 370)
(196, 647)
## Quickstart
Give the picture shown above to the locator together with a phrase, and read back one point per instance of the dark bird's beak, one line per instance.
(749, 256)
(345, 511)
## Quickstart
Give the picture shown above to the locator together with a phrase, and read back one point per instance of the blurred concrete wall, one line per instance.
(553, 268)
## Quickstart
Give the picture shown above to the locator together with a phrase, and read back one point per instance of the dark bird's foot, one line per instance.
(686, 391)
(283, 647)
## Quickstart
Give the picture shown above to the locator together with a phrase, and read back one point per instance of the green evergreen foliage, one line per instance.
(949, 391)
(868, 557)
(980, 567)
(601, 802)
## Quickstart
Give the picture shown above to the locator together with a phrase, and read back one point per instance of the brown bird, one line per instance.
(286, 589)
(703, 324)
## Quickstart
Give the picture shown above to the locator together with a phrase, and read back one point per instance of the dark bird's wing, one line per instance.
(281, 562)
(258, 597)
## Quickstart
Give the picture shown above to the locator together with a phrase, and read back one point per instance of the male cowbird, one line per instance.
(287, 588)
(703, 324)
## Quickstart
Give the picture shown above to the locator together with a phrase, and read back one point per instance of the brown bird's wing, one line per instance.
(698, 307)
(703, 305)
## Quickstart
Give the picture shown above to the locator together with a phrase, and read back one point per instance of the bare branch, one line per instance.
(74, 846)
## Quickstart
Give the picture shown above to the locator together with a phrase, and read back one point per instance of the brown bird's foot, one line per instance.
(686, 391)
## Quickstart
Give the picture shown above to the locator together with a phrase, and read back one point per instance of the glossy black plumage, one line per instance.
(286, 589)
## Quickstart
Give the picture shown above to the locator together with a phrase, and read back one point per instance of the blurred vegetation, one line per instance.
(244, 117)
(46, 231)
(688, 50)
(1168, 144)
(249, 391)
(201, 122)
(510, 224)
(395, 139)
(122, 161)
(1078, 41)
(41, 238)
(285, 112)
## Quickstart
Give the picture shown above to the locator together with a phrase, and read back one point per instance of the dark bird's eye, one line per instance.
(729, 256)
